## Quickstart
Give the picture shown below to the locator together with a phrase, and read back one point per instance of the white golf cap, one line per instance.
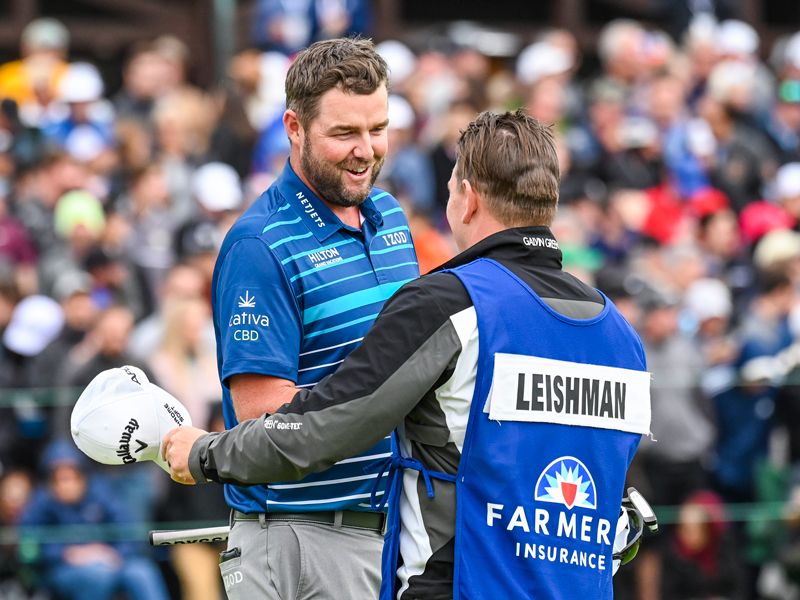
(121, 418)
(401, 115)
(737, 37)
(542, 59)
(791, 52)
(787, 181)
(35, 322)
(217, 187)
(708, 298)
(81, 83)
(399, 58)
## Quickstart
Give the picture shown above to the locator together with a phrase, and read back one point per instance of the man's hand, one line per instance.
(175, 450)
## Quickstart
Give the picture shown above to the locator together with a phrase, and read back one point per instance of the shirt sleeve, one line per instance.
(256, 314)
(412, 343)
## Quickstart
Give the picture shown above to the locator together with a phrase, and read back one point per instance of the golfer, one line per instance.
(299, 279)
(519, 396)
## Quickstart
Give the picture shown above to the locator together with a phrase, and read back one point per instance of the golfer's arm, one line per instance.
(403, 356)
(254, 395)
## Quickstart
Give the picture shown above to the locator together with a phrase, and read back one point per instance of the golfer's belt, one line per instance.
(374, 521)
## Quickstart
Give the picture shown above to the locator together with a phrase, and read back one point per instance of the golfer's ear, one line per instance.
(292, 126)
(472, 201)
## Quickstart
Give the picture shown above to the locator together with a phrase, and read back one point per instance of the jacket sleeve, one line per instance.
(402, 357)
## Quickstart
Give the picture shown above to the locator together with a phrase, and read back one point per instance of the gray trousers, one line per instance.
(297, 561)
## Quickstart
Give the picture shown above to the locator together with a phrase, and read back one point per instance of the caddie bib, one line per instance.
(558, 411)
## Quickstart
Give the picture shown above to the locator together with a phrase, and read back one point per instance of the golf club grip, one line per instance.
(188, 536)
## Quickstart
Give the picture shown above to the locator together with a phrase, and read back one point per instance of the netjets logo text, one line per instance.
(247, 301)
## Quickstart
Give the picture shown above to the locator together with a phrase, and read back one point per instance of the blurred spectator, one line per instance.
(72, 290)
(16, 247)
(115, 282)
(79, 220)
(701, 555)
(234, 138)
(35, 322)
(764, 329)
(183, 282)
(184, 122)
(103, 347)
(154, 217)
(290, 26)
(21, 146)
(134, 150)
(675, 461)
(401, 61)
(591, 143)
(737, 41)
(743, 160)
(744, 419)
(16, 487)
(621, 51)
(85, 130)
(637, 164)
(779, 251)
(272, 146)
(184, 362)
(786, 190)
(175, 66)
(144, 79)
(783, 121)
(443, 154)
(217, 190)
(336, 18)
(33, 80)
(89, 567)
(724, 256)
(37, 192)
(259, 79)
(708, 311)
(283, 26)
(408, 170)
(540, 60)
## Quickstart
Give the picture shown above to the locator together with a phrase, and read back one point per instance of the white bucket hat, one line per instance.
(121, 418)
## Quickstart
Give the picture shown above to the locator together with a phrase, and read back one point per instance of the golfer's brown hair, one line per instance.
(350, 64)
(510, 158)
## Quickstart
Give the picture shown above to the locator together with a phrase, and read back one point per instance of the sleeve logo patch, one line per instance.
(247, 301)
(247, 324)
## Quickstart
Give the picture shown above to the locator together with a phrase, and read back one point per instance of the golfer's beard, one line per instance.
(328, 180)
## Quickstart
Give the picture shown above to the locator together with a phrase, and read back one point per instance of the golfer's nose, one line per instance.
(363, 148)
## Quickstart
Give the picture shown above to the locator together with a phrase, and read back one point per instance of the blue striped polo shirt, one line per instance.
(294, 292)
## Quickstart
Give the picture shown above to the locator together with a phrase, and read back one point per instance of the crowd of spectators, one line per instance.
(680, 199)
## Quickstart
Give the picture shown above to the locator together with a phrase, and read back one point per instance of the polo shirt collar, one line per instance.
(318, 218)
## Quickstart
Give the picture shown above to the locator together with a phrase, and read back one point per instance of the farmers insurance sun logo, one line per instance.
(567, 481)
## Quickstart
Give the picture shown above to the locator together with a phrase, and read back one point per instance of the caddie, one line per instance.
(519, 395)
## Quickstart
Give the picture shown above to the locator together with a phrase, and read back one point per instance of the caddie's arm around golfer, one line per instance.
(399, 362)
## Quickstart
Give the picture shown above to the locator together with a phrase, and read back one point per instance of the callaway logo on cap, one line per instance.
(121, 418)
